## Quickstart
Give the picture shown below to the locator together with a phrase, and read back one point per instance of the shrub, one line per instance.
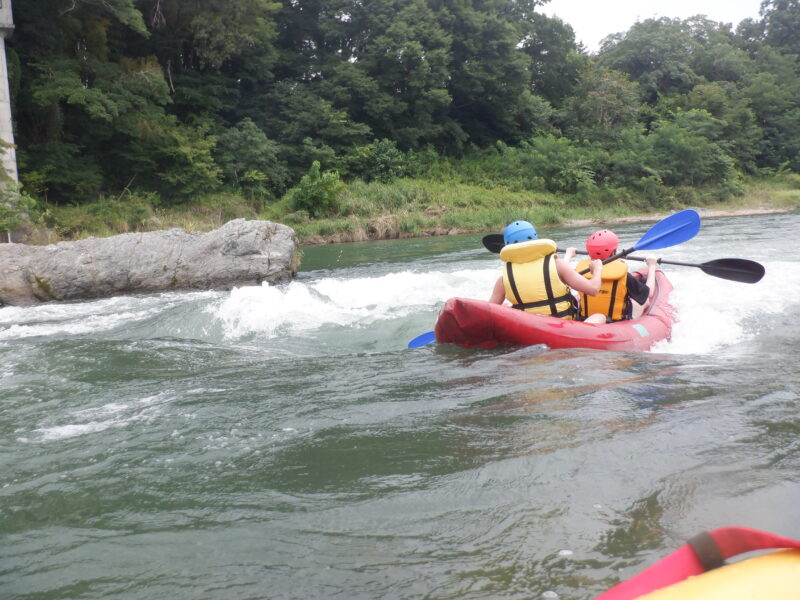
(318, 193)
(682, 156)
(543, 163)
(121, 215)
(187, 166)
(15, 208)
(296, 218)
(428, 163)
(378, 161)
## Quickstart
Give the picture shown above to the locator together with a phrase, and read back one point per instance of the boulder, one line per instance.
(240, 252)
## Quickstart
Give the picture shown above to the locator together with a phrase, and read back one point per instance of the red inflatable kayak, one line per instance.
(477, 323)
(699, 571)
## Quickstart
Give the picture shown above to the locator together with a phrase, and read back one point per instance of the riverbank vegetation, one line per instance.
(387, 118)
(407, 208)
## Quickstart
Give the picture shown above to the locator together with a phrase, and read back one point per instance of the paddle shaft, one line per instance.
(622, 254)
(639, 258)
(732, 269)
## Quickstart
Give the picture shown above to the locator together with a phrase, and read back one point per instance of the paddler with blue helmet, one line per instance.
(535, 279)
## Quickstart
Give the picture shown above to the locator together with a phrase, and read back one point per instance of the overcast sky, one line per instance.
(593, 20)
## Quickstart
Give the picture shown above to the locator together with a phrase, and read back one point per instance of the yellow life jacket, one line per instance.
(531, 279)
(612, 299)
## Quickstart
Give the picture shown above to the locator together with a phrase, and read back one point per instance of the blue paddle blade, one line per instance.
(422, 340)
(675, 229)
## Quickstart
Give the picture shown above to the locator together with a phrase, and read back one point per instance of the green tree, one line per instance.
(217, 56)
(15, 207)
(318, 193)
(781, 23)
(180, 96)
(309, 127)
(657, 54)
(775, 104)
(682, 151)
(209, 36)
(490, 79)
(605, 102)
(407, 56)
(378, 161)
(184, 156)
(383, 62)
(96, 108)
(249, 159)
(124, 11)
(556, 62)
(740, 133)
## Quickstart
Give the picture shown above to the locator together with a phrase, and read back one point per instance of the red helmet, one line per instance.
(602, 244)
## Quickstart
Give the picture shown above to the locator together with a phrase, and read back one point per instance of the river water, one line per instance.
(283, 443)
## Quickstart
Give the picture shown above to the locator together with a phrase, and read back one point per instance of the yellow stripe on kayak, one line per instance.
(773, 576)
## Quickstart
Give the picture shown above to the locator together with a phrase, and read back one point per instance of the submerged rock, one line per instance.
(238, 253)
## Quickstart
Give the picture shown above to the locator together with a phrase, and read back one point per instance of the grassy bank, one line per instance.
(407, 208)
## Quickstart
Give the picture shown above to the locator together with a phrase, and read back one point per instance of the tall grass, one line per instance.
(443, 199)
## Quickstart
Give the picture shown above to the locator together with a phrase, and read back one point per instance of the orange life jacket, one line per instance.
(612, 299)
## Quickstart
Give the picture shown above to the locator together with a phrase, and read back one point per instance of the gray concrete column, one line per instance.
(6, 128)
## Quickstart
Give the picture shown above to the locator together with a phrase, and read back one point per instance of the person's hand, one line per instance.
(597, 267)
(569, 254)
(651, 261)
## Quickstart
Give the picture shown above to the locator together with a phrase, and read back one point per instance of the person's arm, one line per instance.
(642, 291)
(578, 282)
(569, 254)
(652, 263)
(498, 292)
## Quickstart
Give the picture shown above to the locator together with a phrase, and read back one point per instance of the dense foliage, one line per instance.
(288, 100)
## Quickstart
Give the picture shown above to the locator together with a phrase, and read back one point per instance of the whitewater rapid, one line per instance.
(711, 313)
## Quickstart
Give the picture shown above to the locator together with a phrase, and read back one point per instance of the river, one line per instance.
(282, 442)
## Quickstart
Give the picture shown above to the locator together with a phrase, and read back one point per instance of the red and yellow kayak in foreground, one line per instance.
(477, 323)
(697, 571)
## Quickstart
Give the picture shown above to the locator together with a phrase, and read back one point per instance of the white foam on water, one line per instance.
(713, 313)
(62, 432)
(85, 317)
(302, 306)
(97, 419)
(79, 325)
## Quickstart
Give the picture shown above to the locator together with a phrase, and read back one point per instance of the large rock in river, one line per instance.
(239, 252)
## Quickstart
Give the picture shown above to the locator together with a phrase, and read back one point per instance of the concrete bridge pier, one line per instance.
(6, 128)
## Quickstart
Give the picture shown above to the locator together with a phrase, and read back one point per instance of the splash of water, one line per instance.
(715, 313)
(358, 301)
(712, 313)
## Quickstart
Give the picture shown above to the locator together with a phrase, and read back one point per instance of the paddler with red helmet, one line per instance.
(621, 295)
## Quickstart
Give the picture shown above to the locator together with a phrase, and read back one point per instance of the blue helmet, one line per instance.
(519, 231)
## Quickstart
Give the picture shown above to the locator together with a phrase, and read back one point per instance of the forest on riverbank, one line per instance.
(367, 119)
